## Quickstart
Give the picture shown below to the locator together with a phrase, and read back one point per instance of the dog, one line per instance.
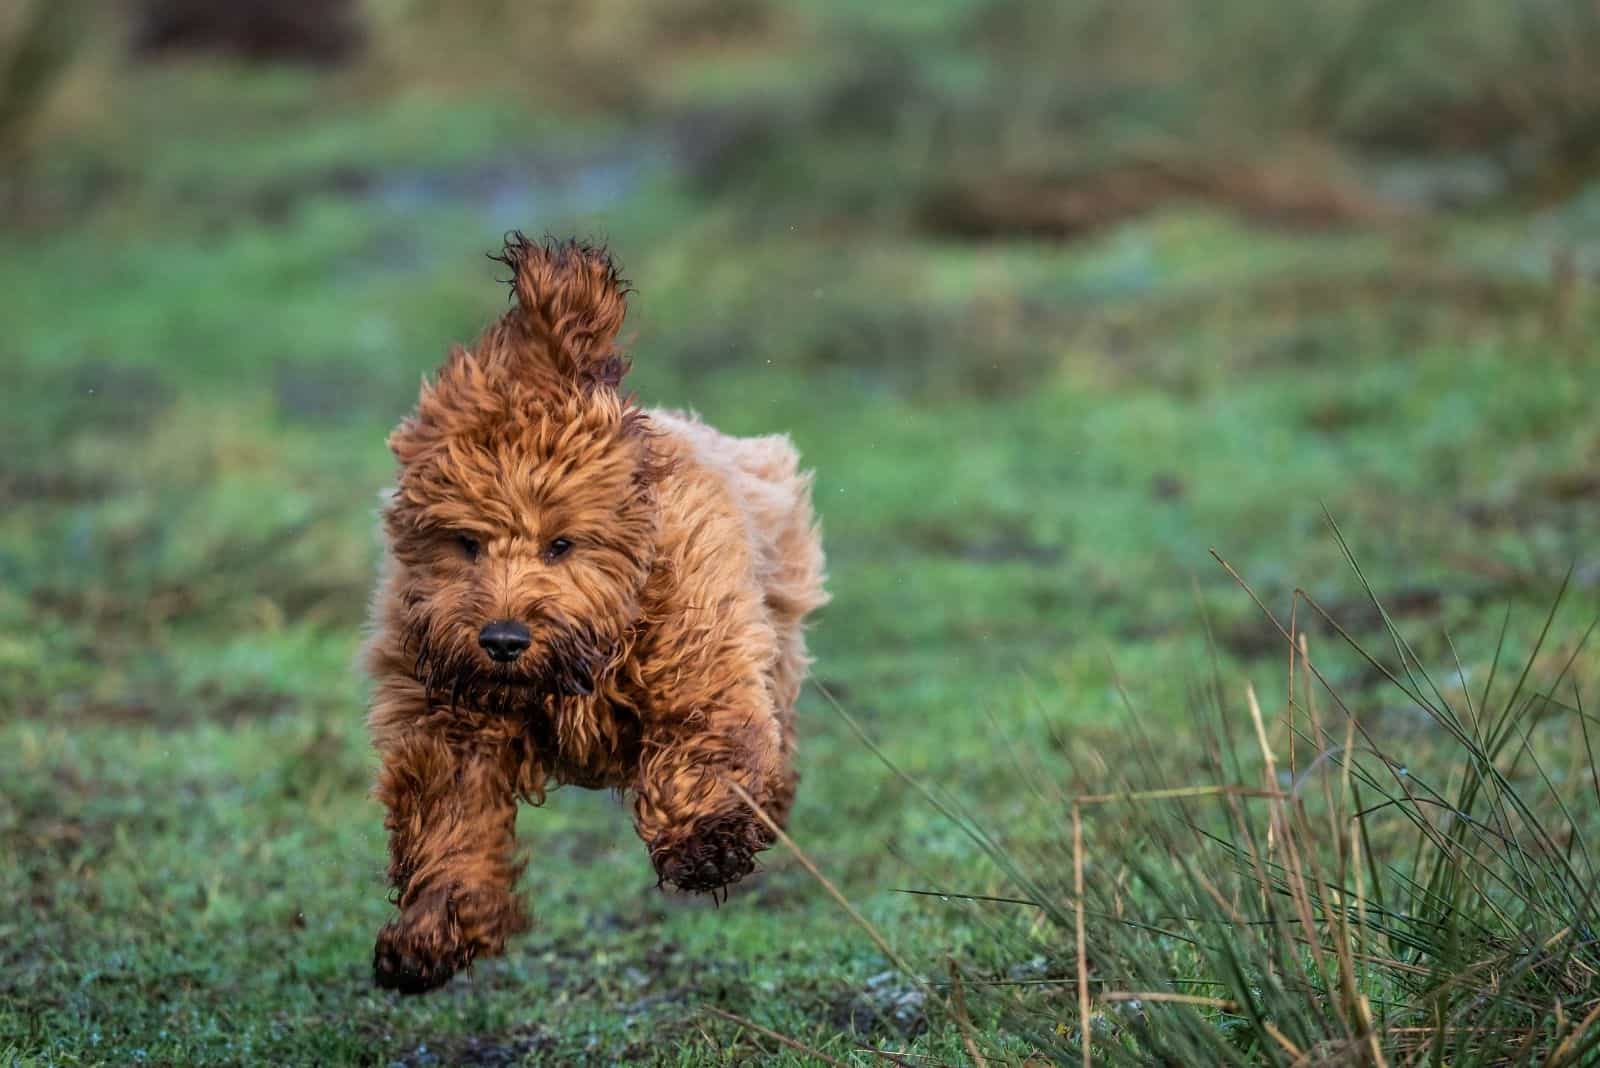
(577, 590)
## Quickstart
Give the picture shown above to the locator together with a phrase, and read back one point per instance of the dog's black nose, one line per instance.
(504, 640)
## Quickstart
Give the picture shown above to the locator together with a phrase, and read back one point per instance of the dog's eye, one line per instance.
(470, 547)
(557, 548)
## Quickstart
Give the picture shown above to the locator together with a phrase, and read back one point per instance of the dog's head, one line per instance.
(522, 526)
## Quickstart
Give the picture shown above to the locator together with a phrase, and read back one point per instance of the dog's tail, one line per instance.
(570, 304)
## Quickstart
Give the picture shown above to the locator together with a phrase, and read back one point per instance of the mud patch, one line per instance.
(1357, 615)
(51, 486)
(64, 819)
(40, 816)
(1334, 415)
(1300, 192)
(994, 542)
(308, 31)
(208, 704)
(1257, 637)
(887, 1006)
(654, 993)
(520, 1046)
(1553, 501)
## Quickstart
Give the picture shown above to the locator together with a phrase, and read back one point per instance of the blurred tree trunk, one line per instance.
(324, 32)
(35, 50)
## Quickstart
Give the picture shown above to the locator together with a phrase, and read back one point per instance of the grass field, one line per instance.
(226, 290)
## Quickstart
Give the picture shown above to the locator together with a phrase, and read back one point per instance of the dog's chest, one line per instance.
(588, 741)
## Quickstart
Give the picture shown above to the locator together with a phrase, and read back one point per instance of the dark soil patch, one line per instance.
(313, 31)
(1361, 619)
(1578, 485)
(484, 1051)
(50, 486)
(1257, 637)
(63, 817)
(171, 711)
(1167, 487)
(888, 1006)
(1548, 499)
(43, 823)
(1000, 541)
(1289, 192)
(656, 993)
(1302, 312)
(1333, 415)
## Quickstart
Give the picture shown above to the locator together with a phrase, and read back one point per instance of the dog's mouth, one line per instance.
(547, 676)
(566, 664)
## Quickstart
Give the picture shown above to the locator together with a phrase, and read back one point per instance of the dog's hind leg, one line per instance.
(452, 843)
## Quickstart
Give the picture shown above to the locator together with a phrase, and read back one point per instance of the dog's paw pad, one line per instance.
(410, 964)
(712, 855)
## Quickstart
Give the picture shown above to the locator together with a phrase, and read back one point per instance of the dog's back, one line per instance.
(764, 480)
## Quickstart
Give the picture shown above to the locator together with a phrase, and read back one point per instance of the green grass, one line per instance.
(1023, 451)
(1414, 884)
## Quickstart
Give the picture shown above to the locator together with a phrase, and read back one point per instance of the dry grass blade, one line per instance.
(781, 1039)
(1283, 1040)
(833, 891)
(1083, 949)
(1225, 1004)
(905, 1060)
(1261, 738)
(959, 996)
(1179, 793)
(1559, 1056)
(1372, 1033)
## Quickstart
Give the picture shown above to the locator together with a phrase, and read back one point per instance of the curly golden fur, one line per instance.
(575, 590)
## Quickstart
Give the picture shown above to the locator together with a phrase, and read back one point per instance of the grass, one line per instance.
(1345, 890)
(227, 292)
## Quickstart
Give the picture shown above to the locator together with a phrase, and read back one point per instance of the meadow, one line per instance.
(1044, 359)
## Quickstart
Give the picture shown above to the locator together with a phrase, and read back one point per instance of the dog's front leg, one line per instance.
(701, 834)
(452, 843)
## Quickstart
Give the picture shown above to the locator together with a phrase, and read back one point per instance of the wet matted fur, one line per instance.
(661, 572)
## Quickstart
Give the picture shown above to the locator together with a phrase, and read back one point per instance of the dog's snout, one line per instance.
(504, 640)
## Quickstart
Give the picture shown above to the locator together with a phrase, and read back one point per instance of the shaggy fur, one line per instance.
(662, 572)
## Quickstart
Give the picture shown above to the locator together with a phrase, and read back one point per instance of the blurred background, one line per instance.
(1055, 297)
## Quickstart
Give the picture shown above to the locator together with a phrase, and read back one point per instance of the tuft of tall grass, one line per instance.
(1399, 878)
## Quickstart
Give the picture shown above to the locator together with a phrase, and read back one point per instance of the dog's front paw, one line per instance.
(420, 950)
(714, 853)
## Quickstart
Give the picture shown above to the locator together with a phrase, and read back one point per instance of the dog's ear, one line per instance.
(570, 305)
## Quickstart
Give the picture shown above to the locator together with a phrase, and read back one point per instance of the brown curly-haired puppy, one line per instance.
(576, 590)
